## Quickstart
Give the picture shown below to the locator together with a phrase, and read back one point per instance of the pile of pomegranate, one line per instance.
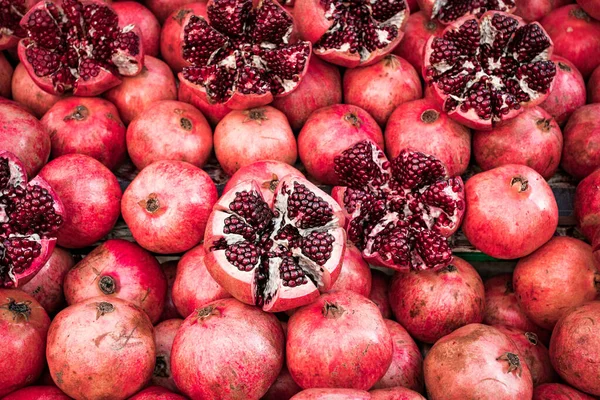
(300, 199)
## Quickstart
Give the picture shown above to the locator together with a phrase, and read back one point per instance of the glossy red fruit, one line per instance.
(169, 311)
(284, 387)
(593, 87)
(6, 73)
(133, 13)
(12, 32)
(448, 11)
(332, 394)
(37, 393)
(213, 112)
(558, 391)
(156, 393)
(419, 29)
(164, 335)
(535, 10)
(395, 393)
(581, 155)
(163, 8)
(586, 205)
(379, 293)
(568, 91)
(28, 94)
(355, 274)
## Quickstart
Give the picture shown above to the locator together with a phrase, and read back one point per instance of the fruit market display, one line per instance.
(300, 199)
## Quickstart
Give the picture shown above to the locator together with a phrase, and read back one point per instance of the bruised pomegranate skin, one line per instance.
(27, 93)
(355, 274)
(164, 335)
(361, 352)
(133, 13)
(214, 112)
(156, 393)
(533, 138)
(581, 153)
(592, 7)
(568, 91)
(558, 391)
(535, 10)
(421, 125)
(419, 29)
(6, 73)
(37, 393)
(90, 194)
(497, 201)
(332, 394)
(586, 206)
(162, 9)
(593, 87)
(284, 387)
(170, 270)
(379, 293)
(449, 11)
(23, 326)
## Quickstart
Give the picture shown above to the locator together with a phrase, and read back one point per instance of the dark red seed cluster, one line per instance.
(11, 12)
(449, 11)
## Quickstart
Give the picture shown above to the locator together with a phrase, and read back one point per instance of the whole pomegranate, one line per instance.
(558, 391)
(92, 346)
(284, 387)
(592, 7)
(379, 293)
(586, 205)
(164, 335)
(185, 135)
(166, 206)
(23, 328)
(361, 352)
(421, 125)
(163, 8)
(574, 347)
(155, 82)
(535, 10)
(132, 13)
(246, 136)
(395, 393)
(355, 274)
(593, 87)
(156, 393)
(568, 91)
(581, 151)
(38, 393)
(332, 394)
(27, 93)
(449, 11)
(6, 73)
(419, 29)
(533, 138)
(169, 268)
(12, 12)
(497, 201)
(91, 196)
(214, 112)
(194, 287)
(246, 352)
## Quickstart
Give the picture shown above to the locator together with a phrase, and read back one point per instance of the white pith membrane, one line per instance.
(447, 11)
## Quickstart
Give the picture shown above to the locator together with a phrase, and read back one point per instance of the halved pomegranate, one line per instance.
(78, 46)
(280, 255)
(11, 12)
(400, 212)
(30, 216)
(448, 11)
(487, 70)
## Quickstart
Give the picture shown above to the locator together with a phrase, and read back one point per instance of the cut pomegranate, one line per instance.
(275, 258)
(488, 70)
(449, 11)
(30, 216)
(78, 46)
(401, 211)
(11, 12)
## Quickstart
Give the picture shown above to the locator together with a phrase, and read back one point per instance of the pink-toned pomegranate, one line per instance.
(395, 393)
(449, 11)
(6, 73)
(23, 328)
(355, 274)
(558, 391)
(593, 87)
(592, 7)
(574, 348)
(91, 196)
(47, 285)
(586, 205)
(379, 293)
(488, 70)
(132, 13)
(79, 47)
(568, 91)
(246, 352)
(361, 352)
(32, 214)
(533, 138)
(419, 29)
(164, 335)
(163, 8)
(581, 150)
(12, 11)
(184, 135)
(157, 393)
(535, 10)
(93, 345)
(421, 125)
(214, 112)
(38, 393)
(332, 394)
(27, 93)
(432, 304)
(166, 206)
(284, 387)
(246, 136)
(89, 126)
(194, 287)
(154, 83)
(277, 256)
(169, 311)
(497, 201)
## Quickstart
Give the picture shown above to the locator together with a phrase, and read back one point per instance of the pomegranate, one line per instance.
(24, 136)
(246, 136)
(355, 274)
(93, 344)
(379, 293)
(538, 142)
(421, 125)
(574, 348)
(27, 93)
(419, 29)
(132, 13)
(400, 212)
(432, 304)
(284, 387)
(91, 196)
(163, 8)
(576, 37)
(511, 211)
(277, 256)
(23, 326)
(568, 92)
(89, 126)
(395, 393)
(118, 268)
(449, 11)
(328, 132)
(586, 206)
(12, 11)
(213, 112)
(593, 87)
(194, 287)
(169, 311)
(592, 7)
(164, 335)
(79, 46)
(581, 151)
(535, 10)
(361, 350)
(332, 394)
(156, 393)
(185, 135)
(47, 285)
(6, 73)
(557, 391)
(488, 70)
(31, 214)
(38, 393)
(156, 82)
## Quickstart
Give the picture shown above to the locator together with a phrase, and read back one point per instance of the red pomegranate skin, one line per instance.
(6, 73)
(332, 394)
(469, 364)
(184, 135)
(47, 285)
(37, 393)
(156, 393)
(164, 220)
(164, 335)
(558, 276)
(355, 274)
(24, 337)
(321, 87)
(593, 87)
(395, 393)
(156, 82)
(535, 10)
(379, 293)
(194, 287)
(24, 136)
(213, 112)
(328, 132)
(246, 352)
(568, 91)
(511, 211)
(581, 151)
(27, 93)
(558, 391)
(381, 87)
(169, 311)
(132, 13)
(532, 138)
(284, 387)
(574, 348)
(432, 304)
(419, 29)
(86, 125)
(592, 7)
(586, 206)
(358, 357)
(163, 8)
(421, 125)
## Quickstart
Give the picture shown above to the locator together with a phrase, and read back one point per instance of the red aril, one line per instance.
(581, 150)
(419, 29)
(156, 393)
(169, 268)
(449, 11)
(164, 335)
(592, 7)
(213, 112)
(163, 8)
(379, 293)
(535, 10)
(332, 394)
(12, 12)
(355, 274)
(593, 87)
(27, 93)
(568, 91)
(38, 393)
(558, 391)
(586, 205)
(6, 73)
(284, 387)
(132, 13)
